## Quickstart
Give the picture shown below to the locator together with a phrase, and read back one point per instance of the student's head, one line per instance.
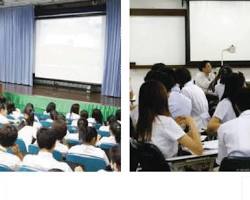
(243, 99)
(3, 110)
(53, 115)
(224, 72)
(118, 115)
(75, 108)
(8, 135)
(205, 67)
(84, 114)
(10, 107)
(115, 129)
(165, 76)
(153, 101)
(60, 128)
(2, 99)
(97, 115)
(46, 139)
(61, 116)
(182, 75)
(110, 119)
(115, 157)
(91, 136)
(158, 67)
(82, 125)
(28, 108)
(50, 107)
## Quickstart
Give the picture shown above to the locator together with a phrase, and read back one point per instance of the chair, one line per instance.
(57, 155)
(146, 157)
(21, 145)
(33, 149)
(41, 116)
(25, 168)
(235, 164)
(97, 126)
(72, 129)
(4, 168)
(10, 117)
(90, 163)
(46, 124)
(107, 146)
(103, 133)
(73, 142)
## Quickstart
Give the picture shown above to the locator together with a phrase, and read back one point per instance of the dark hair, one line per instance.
(110, 119)
(2, 99)
(233, 84)
(115, 156)
(115, 128)
(90, 134)
(203, 64)
(182, 76)
(28, 108)
(60, 128)
(243, 99)
(10, 107)
(53, 115)
(61, 116)
(158, 66)
(46, 138)
(153, 101)
(82, 125)
(97, 115)
(75, 108)
(50, 107)
(118, 114)
(165, 76)
(84, 114)
(2, 106)
(8, 135)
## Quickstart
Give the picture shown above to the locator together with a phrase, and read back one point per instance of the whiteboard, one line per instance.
(157, 39)
(70, 49)
(215, 25)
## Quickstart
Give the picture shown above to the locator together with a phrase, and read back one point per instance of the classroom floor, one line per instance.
(64, 93)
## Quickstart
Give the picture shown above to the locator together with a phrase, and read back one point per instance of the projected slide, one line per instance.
(70, 49)
(215, 25)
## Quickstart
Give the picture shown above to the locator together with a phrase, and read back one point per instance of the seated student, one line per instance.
(13, 111)
(82, 125)
(50, 107)
(115, 158)
(3, 113)
(53, 116)
(97, 117)
(218, 84)
(115, 134)
(2, 99)
(156, 126)
(83, 115)
(74, 112)
(234, 135)
(29, 107)
(88, 147)
(44, 160)
(198, 99)
(110, 119)
(205, 76)
(60, 128)
(226, 109)
(8, 136)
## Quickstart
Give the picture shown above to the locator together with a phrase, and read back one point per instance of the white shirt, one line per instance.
(104, 128)
(106, 140)
(72, 116)
(71, 136)
(3, 119)
(45, 161)
(199, 104)
(8, 159)
(224, 111)
(219, 90)
(61, 147)
(204, 81)
(89, 150)
(165, 133)
(26, 134)
(234, 137)
(91, 121)
(179, 105)
(16, 114)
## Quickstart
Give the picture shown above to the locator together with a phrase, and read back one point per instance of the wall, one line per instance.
(169, 4)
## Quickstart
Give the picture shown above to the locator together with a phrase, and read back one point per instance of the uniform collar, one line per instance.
(245, 113)
(189, 83)
(176, 88)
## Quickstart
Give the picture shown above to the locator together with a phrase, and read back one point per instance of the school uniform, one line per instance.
(61, 147)
(224, 111)
(3, 119)
(104, 128)
(219, 90)
(165, 135)
(204, 81)
(106, 140)
(199, 104)
(90, 150)
(8, 159)
(45, 161)
(234, 137)
(72, 116)
(27, 133)
(16, 114)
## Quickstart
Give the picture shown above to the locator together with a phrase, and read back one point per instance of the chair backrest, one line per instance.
(4, 168)
(57, 155)
(147, 157)
(33, 149)
(97, 126)
(103, 133)
(107, 146)
(42, 116)
(72, 142)
(21, 145)
(72, 129)
(235, 164)
(25, 168)
(46, 124)
(90, 163)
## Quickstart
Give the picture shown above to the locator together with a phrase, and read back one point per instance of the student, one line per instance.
(156, 126)
(226, 109)
(205, 76)
(30, 108)
(83, 115)
(8, 136)
(50, 107)
(3, 113)
(88, 147)
(74, 112)
(97, 117)
(82, 125)
(53, 116)
(60, 128)
(46, 139)
(13, 111)
(115, 158)
(110, 119)
(115, 134)
(234, 135)
(198, 99)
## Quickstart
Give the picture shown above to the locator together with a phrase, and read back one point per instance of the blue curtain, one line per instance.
(16, 44)
(111, 85)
